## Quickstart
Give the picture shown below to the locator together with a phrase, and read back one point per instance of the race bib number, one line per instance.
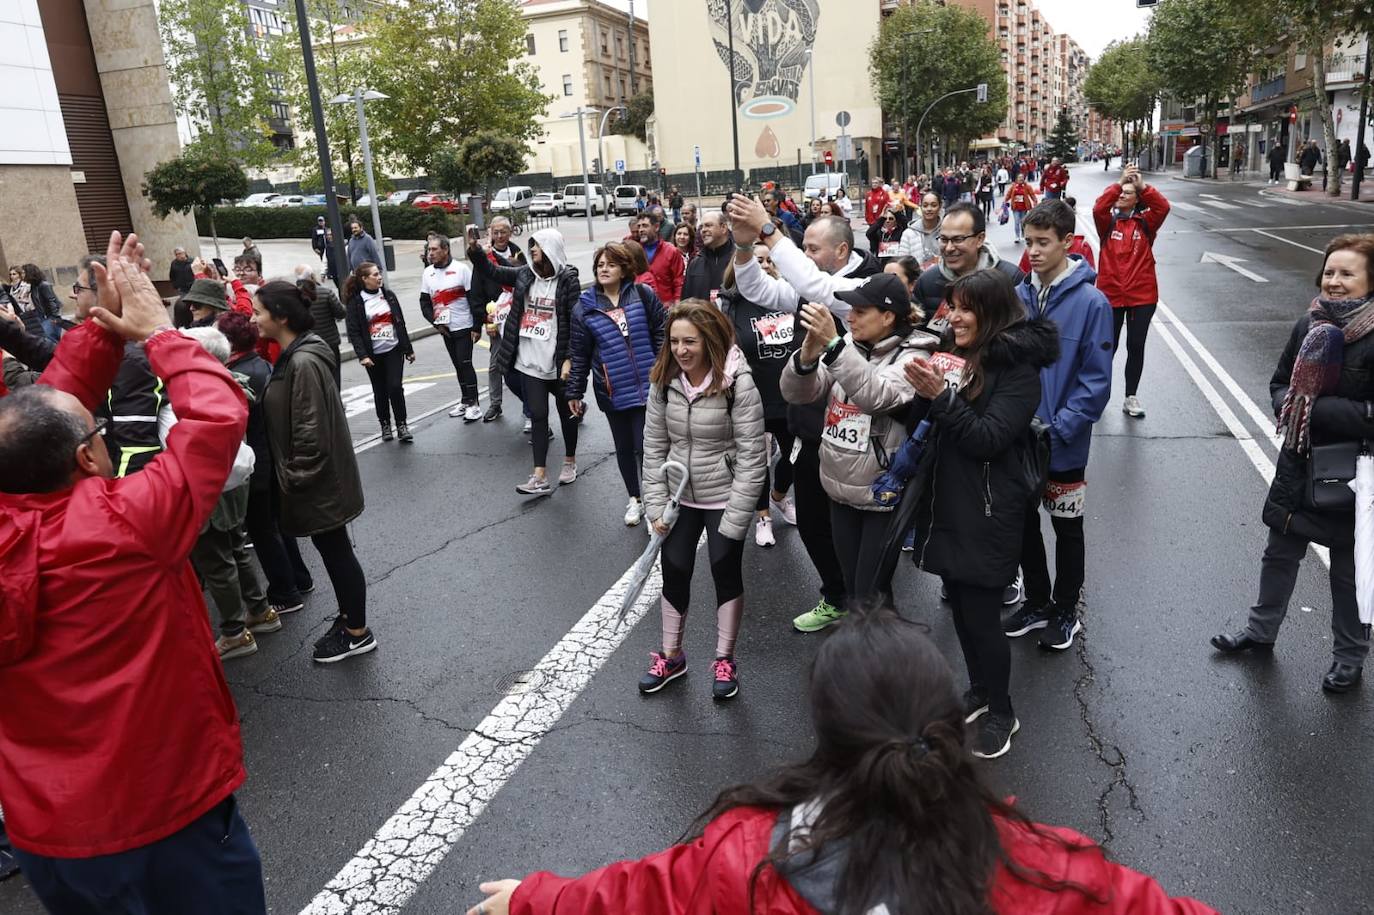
(1065, 500)
(618, 316)
(441, 314)
(537, 321)
(502, 313)
(951, 366)
(776, 329)
(383, 332)
(846, 426)
(939, 322)
(889, 248)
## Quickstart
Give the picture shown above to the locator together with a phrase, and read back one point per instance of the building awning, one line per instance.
(986, 143)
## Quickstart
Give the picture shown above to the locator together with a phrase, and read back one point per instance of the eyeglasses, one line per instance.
(97, 429)
(952, 239)
(77, 287)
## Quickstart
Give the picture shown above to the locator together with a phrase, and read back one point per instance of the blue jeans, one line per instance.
(1054, 195)
(1016, 217)
(210, 867)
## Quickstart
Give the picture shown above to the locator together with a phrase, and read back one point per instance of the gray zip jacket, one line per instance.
(721, 444)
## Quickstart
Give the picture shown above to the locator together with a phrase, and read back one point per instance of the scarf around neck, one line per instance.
(1317, 367)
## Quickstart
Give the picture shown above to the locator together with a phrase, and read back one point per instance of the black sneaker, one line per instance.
(1029, 617)
(290, 606)
(404, 432)
(993, 738)
(662, 671)
(493, 414)
(1058, 636)
(1014, 593)
(338, 643)
(387, 434)
(726, 684)
(975, 704)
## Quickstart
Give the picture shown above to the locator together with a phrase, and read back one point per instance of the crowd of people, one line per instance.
(929, 401)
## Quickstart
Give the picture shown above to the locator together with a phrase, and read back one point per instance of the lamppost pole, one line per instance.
(357, 97)
(734, 105)
(321, 140)
(601, 132)
(811, 76)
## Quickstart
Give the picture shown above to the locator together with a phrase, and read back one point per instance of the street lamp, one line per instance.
(811, 76)
(358, 97)
(321, 139)
(601, 131)
(586, 182)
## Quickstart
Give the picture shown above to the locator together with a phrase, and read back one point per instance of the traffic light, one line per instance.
(596, 165)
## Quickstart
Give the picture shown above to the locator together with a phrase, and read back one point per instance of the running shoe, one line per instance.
(458, 411)
(1132, 407)
(786, 507)
(634, 512)
(269, 621)
(535, 486)
(338, 643)
(662, 671)
(726, 684)
(387, 434)
(493, 414)
(825, 614)
(1015, 592)
(288, 607)
(763, 531)
(993, 738)
(975, 704)
(529, 425)
(568, 473)
(909, 546)
(404, 433)
(472, 412)
(1025, 619)
(1058, 636)
(236, 646)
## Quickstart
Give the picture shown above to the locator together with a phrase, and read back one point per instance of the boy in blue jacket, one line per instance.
(1074, 392)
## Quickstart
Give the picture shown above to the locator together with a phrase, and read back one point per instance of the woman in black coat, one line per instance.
(981, 394)
(1323, 394)
(377, 329)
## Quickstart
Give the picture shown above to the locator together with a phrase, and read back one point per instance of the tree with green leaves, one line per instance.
(200, 178)
(451, 68)
(635, 121)
(476, 163)
(221, 79)
(1121, 85)
(1204, 51)
(924, 51)
(1063, 140)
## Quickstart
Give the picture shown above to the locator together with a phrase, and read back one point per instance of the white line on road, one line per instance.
(1269, 234)
(1221, 206)
(1184, 205)
(1232, 263)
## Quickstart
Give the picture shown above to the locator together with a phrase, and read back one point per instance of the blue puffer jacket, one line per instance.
(619, 362)
(1075, 389)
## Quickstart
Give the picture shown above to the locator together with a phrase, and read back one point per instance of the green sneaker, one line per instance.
(825, 614)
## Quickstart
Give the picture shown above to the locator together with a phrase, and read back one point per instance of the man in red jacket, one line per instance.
(665, 261)
(118, 767)
(1054, 180)
(876, 201)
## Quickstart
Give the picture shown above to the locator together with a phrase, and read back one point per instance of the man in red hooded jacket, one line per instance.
(117, 770)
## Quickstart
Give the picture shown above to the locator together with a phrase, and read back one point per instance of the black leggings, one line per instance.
(459, 345)
(345, 574)
(987, 652)
(680, 553)
(1136, 318)
(782, 470)
(627, 431)
(1070, 556)
(813, 522)
(859, 537)
(261, 525)
(985, 202)
(537, 391)
(388, 392)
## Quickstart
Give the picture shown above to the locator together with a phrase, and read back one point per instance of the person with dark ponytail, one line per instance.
(312, 454)
(377, 330)
(889, 814)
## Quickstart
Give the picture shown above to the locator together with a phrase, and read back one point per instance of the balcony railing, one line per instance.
(1344, 68)
(1262, 92)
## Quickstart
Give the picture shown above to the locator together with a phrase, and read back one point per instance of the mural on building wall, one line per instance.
(772, 38)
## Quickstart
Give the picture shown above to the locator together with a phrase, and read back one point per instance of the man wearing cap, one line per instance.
(207, 300)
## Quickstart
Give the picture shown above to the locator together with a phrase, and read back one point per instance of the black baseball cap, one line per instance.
(882, 290)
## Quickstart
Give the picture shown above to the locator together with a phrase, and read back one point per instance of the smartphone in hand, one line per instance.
(223, 270)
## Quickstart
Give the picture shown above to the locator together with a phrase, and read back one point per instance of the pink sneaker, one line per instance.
(727, 679)
(662, 671)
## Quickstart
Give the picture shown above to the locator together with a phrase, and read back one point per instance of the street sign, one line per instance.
(620, 166)
(982, 92)
(829, 157)
(844, 145)
(842, 119)
(696, 155)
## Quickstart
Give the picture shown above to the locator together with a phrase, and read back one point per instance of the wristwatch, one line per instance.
(767, 230)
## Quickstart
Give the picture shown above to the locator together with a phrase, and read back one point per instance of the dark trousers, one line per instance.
(627, 431)
(1278, 576)
(515, 381)
(1136, 320)
(1070, 554)
(221, 560)
(459, 346)
(859, 537)
(283, 581)
(345, 574)
(987, 652)
(680, 552)
(813, 521)
(337, 367)
(210, 867)
(537, 393)
(388, 390)
(782, 470)
(1275, 172)
(494, 387)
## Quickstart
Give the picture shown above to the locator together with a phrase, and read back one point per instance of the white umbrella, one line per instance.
(646, 559)
(1363, 485)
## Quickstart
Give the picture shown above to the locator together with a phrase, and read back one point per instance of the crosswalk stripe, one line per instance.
(1221, 206)
(1255, 203)
(1290, 201)
(1188, 207)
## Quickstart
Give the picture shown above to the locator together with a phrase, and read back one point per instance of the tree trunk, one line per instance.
(1330, 154)
(210, 211)
(1214, 145)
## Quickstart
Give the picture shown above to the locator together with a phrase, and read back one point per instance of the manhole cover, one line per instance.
(519, 682)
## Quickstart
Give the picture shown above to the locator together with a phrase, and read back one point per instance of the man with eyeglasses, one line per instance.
(963, 249)
(118, 767)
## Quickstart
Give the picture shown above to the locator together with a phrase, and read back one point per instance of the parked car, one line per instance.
(316, 200)
(288, 200)
(263, 199)
(365, 200)
(431, 201)
(828, 184)
(512, 199)
(576, 199)
(397, 198)
(625, 197)
(547, 205)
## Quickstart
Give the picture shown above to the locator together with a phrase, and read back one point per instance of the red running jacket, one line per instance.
(1021, 197)
(669, 272)
(710, 876)
(1055, 178)
(121, 729)
(1126, 262)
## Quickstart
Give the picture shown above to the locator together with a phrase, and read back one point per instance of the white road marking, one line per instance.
(358, 399)
(1185, 206)
(1221, 206)
(1232, 263)
(375, 439)
(1269, 234)
(1288, 200)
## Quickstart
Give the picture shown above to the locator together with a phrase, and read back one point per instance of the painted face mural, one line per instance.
(771, 39)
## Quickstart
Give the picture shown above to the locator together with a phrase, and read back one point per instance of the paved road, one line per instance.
(1238, 782)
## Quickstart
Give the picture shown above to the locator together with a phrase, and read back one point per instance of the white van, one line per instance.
(515, 197)
(625, 197)
(827, 184)
(575, 199)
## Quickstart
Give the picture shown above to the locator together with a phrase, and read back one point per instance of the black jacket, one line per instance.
(1346, 415)
(327, 311)
(181, 276)
(485, 289)
(755, 327)
(355, 320)
(132, 406)
(258, 371)
(707, 271)
(29, 347)
(567, 292)
(970, 517)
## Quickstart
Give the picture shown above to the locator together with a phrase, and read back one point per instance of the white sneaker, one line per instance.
(763, 531)
(1132, 407)
(458, 410)
(529, 425)
(472, 413)
(567, 474)
(785, 507)
(634, 512)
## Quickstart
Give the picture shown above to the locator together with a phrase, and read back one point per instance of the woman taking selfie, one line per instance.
(705, 413)
(969, 520)
(377, 330)
(889, 814)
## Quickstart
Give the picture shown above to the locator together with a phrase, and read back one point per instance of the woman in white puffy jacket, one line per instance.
(861, 372)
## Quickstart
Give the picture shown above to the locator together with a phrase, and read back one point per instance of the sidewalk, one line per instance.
(1314, 194)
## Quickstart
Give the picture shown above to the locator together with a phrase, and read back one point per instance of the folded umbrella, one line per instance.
(645, 562)
(1363, 485)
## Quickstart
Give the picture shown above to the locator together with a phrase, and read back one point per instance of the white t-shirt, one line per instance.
(380, 328)
(448, 290)
(539, 331)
